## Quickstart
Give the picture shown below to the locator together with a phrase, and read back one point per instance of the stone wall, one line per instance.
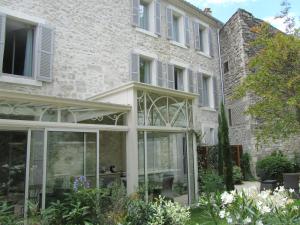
(236, 37)
(93, 42)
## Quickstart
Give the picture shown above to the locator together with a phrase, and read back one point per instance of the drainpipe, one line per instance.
(220, 68)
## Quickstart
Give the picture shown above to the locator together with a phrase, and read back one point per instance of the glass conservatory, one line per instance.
(138, 135)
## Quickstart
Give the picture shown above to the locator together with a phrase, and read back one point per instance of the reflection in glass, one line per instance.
(69, 155)
(13, 145)
(112, 158)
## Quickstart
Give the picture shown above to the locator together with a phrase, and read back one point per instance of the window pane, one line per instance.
(144, 15)
(179, 83)
(36, 167)
(145, 70)
(112, 158)
(18, 50)
(69, 156)
(13, 149)
(175, 28)
(206, 91)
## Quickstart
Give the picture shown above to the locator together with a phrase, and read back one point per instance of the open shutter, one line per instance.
(160, 74)
(157, 17)
(196, 35)
(207, 138)
(171, 81)
(2, 38)
(187, 30)
(135, 12)
(200, 88)
(170, 24)
(135, 67)
(216, 94)
(45, 53)
(211, 48)
(191, 81)
(216, 140)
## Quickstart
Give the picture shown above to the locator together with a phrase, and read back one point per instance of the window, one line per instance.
(144, 15)
(145, 70)
(18, 48)
(206, 91)
(225, 67)
(201, 35)
(175, 28)
(178, 78)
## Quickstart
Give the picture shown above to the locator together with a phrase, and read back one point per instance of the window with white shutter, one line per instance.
(135, 67)
(136, 12)
(216, 93)
(211, 42)
(169, 23)
(160, 74)
(187, 30)
(157, 17)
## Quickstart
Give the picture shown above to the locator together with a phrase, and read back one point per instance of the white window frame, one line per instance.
(17, 79)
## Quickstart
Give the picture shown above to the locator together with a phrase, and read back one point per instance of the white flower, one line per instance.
(247, 220)
(222, 214)
(259, 223)
(265, 209)
(227, 198)
(295, 208)
(291, 190)
(229, 220)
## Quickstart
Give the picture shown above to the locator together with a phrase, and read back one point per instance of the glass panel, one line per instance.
(41, 112)
(112, 158)
(36, 167)
(141, 108)
(191, 169)
(175, 28)
(69, 155)
(13, 148)
(144, 15)
(145, 71)
(166, 166)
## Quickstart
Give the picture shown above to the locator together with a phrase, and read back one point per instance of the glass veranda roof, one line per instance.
(21, 106)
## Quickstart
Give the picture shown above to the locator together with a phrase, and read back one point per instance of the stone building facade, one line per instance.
(236, 51)
(107, 90)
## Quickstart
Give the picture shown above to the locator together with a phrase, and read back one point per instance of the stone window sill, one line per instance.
(147, 32)
(178, 44)
(6, 78)
(204, 54)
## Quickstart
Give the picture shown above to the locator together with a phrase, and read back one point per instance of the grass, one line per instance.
(199, 217)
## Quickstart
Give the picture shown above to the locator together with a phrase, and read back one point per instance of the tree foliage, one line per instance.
(225, 148)
(274, 81)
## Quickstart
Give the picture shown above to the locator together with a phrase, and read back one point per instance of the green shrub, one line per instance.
(245, 166)
(237, 175)
(7, 216)
(159, 212)
(273, 166)
(210, 181)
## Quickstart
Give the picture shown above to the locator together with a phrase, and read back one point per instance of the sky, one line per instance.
(262, 9)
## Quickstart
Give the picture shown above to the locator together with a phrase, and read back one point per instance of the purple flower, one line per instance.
(80, 183)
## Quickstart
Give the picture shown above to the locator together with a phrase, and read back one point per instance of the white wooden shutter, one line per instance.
(171, 81)
(216, 140)
(157, 17)
(135, 12)
(2, 38)
(216, 94)
(135, 67)
(191, 81)
(160, 74)
(210, 39)
(169, 24)
(187, 30)
(200, 88)
(207, 136)
(45, 53)
(196, 36)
